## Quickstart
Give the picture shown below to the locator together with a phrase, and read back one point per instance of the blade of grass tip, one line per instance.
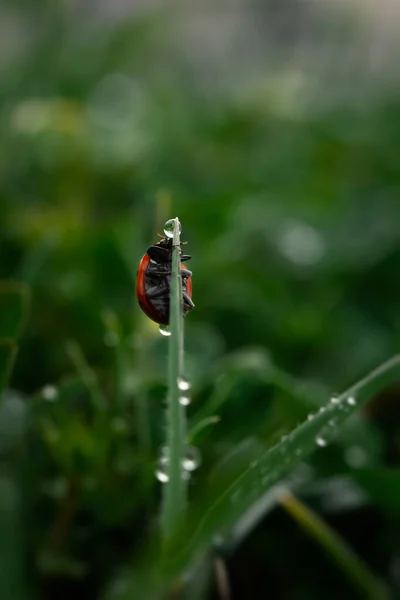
(335, 547)
(86, 374)
(200, 426)
(175, 492)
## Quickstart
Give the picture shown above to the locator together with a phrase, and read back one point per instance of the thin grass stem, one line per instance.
(175, 489)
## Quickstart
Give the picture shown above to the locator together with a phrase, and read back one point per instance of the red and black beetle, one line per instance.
(153, 282)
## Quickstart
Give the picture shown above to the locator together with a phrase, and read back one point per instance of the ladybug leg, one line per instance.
(185, 273)
(187, 300)
(155, 291)
(161, 273)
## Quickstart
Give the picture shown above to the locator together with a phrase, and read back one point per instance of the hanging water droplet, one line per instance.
(320, 441)
(310, 417)
(164, 330)
(183, 385)
(50, 393)
(186, 475)
(169, 228)
(335, 399)
(185, 400)
(161, 471)
(351, 401)
(192, 459)
(111, 339)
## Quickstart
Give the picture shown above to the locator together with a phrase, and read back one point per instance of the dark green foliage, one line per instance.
(289, 199)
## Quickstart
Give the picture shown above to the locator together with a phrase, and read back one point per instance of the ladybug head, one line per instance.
(161, 252)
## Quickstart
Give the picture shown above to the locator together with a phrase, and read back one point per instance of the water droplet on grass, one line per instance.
(164, 330)
(183, 385)
(321, 442)
(169, 228)
(192, 459)
(335, 399)
(161, 471)
(351, 401)
(50, 393)
(184, 400)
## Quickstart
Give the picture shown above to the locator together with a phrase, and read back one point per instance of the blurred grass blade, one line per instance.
(86, 374)
(12, 585)
(174, 500)
(13, 309)
(223, 502)
(8, 350)
(200, 426)
(113, 339)
(335, 547)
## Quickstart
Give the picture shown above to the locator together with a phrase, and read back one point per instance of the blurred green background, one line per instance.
(272, 129)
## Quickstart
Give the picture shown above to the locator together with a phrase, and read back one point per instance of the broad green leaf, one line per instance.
(222, 505)
(13, 309)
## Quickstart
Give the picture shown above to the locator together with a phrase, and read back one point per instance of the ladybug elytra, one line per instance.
(153, 282)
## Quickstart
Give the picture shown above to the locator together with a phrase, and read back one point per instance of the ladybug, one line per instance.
(153, 282)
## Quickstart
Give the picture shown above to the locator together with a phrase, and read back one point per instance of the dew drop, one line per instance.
(164, 330)
(169, 228)
(310, 417)
(321, 442)
(183, 385)
(50, 393)
(351, 401)
(184, 400)
(335, 399)
(111, 339)
(161, 471)
(192, 459)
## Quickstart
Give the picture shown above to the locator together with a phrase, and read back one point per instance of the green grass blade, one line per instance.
(8, 350)
(14, 299)
(175, 492)
(86, 374)
(335, 547)
(13, 309)
(223, 502)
